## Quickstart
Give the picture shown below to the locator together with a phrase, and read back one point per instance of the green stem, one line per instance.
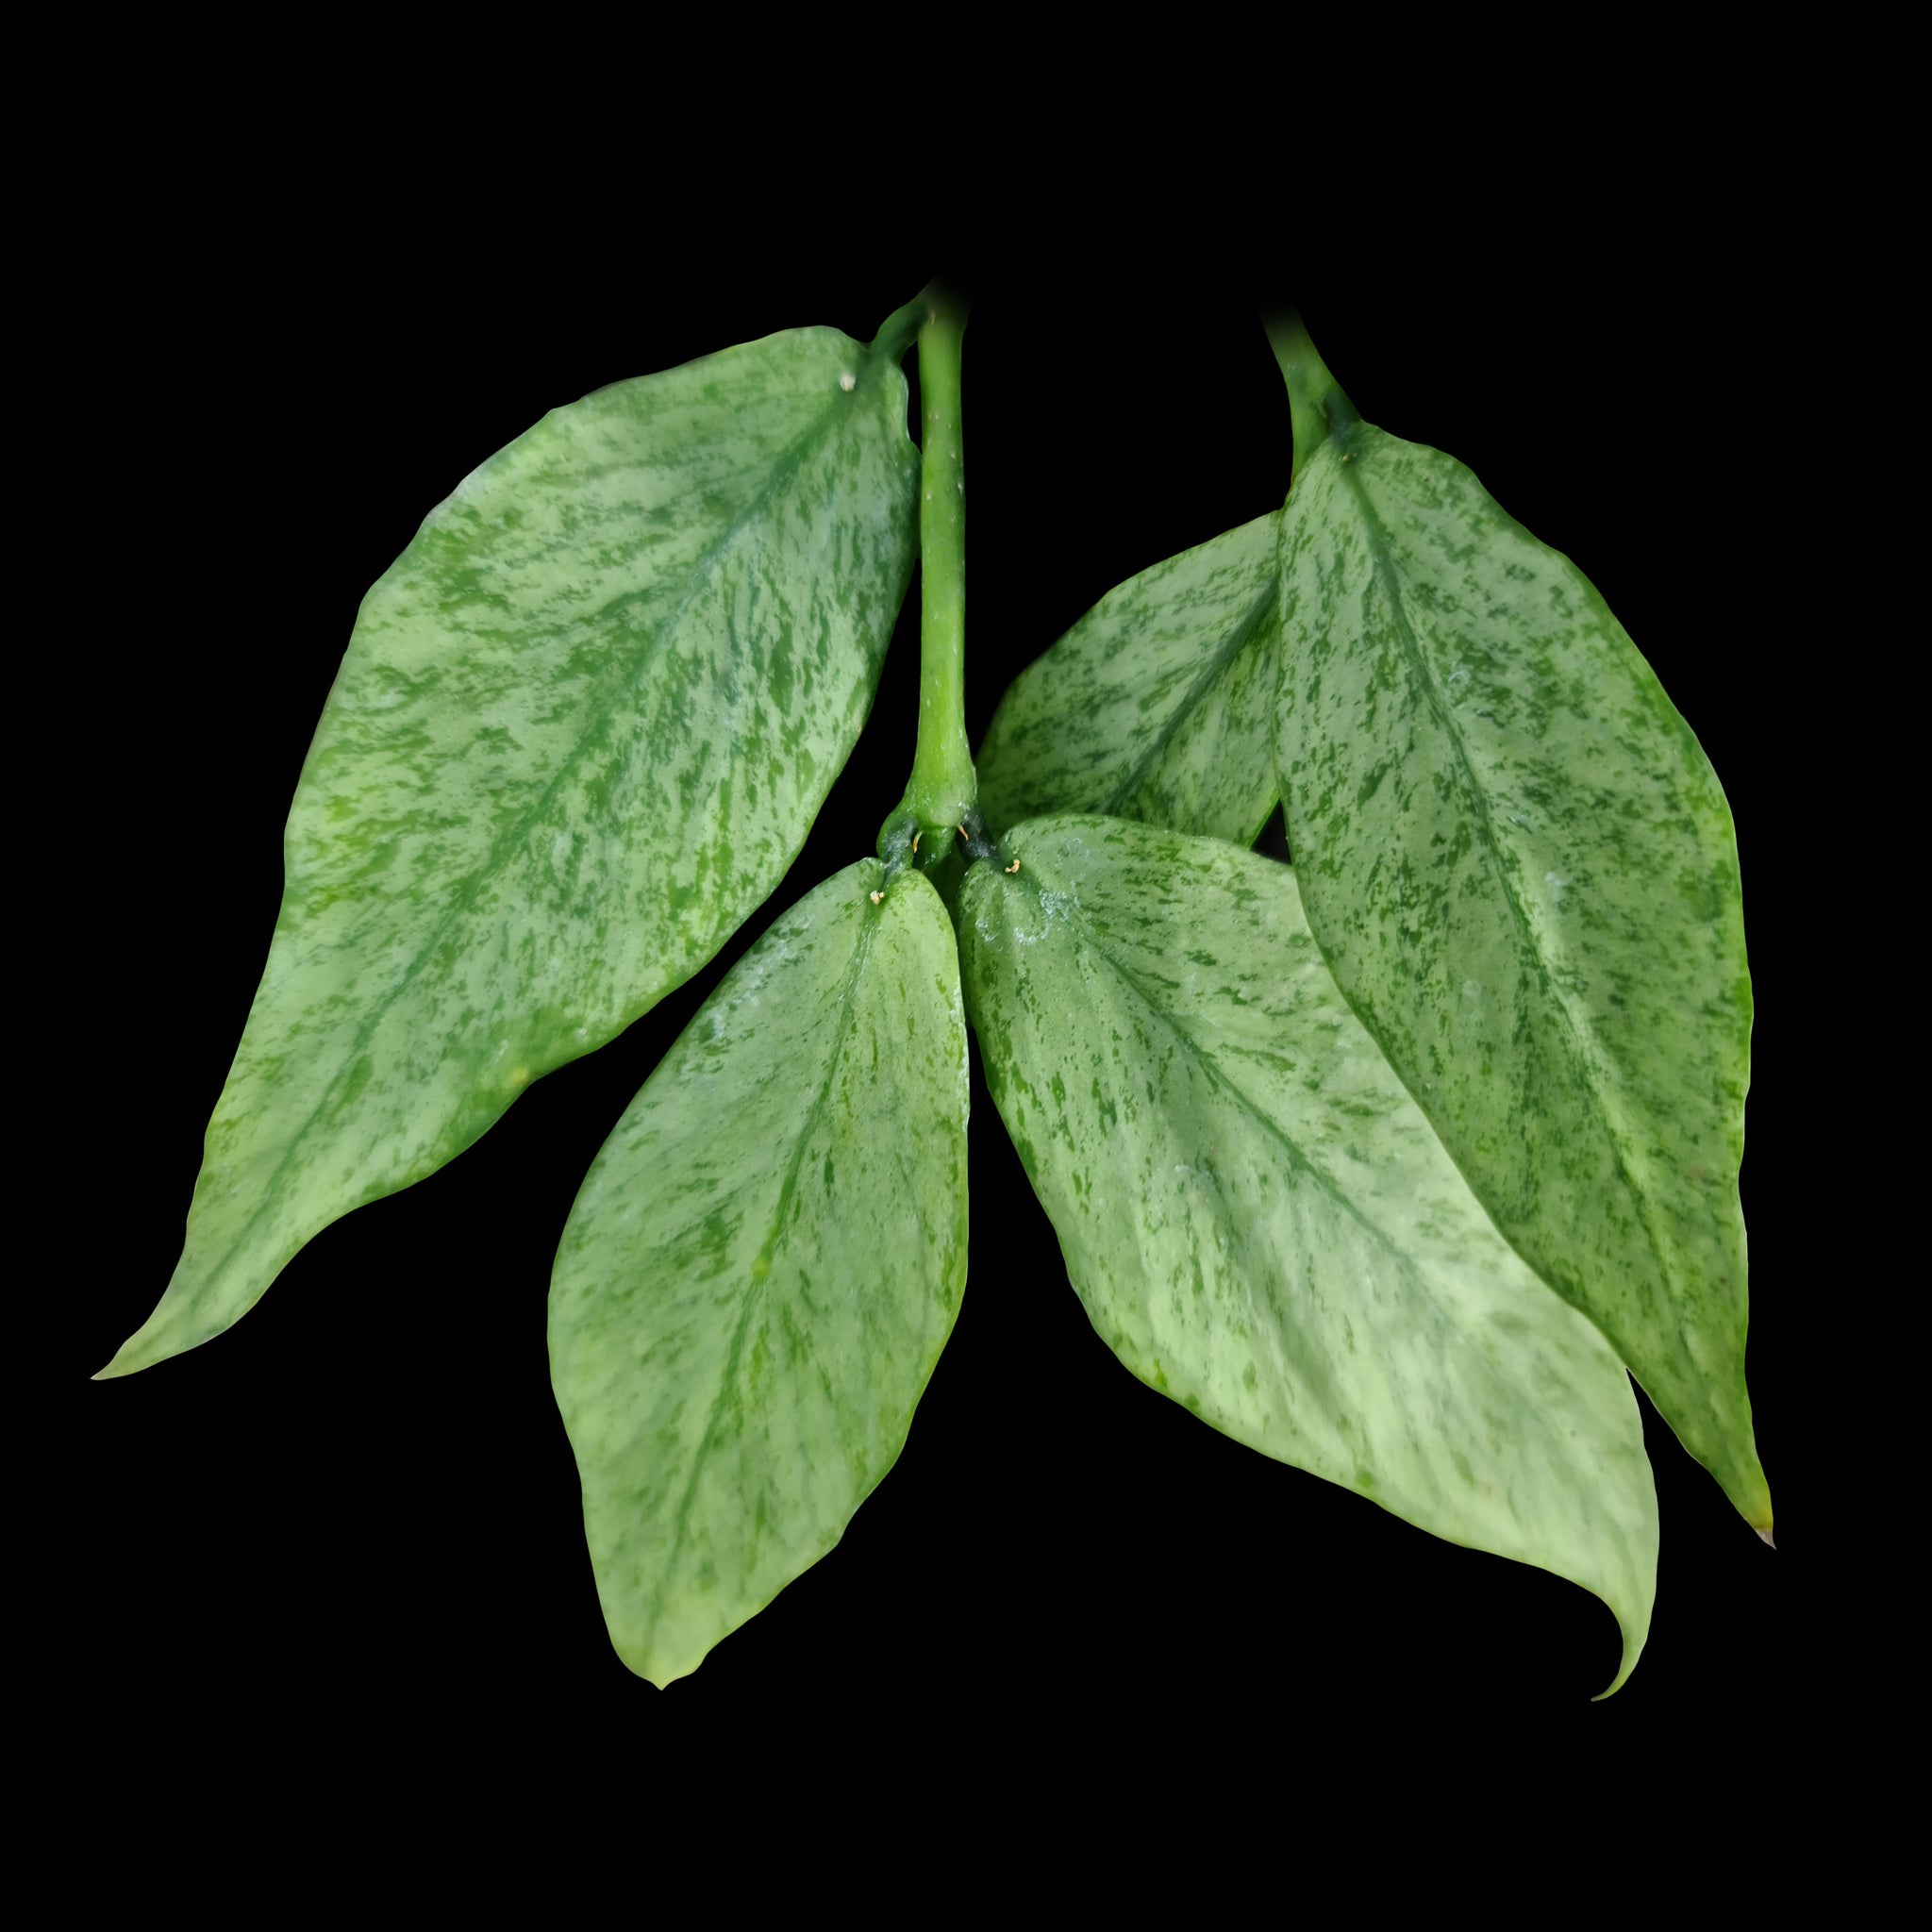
(937, 825)
(943, 787)
(896, 333)
(1317, 406)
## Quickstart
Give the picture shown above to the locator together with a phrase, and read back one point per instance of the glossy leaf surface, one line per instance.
(1522, 872)
(583, 725)
(763, 1265)
(1262, 1223)
(1158, 705)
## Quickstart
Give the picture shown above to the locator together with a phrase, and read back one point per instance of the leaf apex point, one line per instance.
(1764, 1535)
(1617, 1682)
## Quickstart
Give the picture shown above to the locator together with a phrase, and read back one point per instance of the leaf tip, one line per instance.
(1764, 1535)
(139, 1352)
(1623, 1676)
(657, 1669)
(1635, 1632)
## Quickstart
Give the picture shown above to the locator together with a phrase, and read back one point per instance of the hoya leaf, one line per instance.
(763, 1265)
(1523, 873)
(1157, 705)
(1260, 1221)
(582, 728)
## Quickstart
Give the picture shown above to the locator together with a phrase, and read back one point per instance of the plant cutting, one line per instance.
(1389, 1163)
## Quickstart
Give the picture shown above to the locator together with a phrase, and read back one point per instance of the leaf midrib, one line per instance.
(1582, 1035)
(871, 921)
(1221, 1079)
(1238, 639)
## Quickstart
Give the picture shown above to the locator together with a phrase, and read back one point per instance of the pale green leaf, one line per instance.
(1523, 873)
(763, 1265)
(1262, 1223)
(1157, 705)
(582, 728)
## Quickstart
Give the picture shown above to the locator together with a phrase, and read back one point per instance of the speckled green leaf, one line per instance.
(1157, 705)
(582, 728)
(763, 1266)
(1523, 873)
(1260, 1221)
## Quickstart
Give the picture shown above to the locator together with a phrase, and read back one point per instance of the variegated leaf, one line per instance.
(763, 1265)
(1523, 873)
(1260, 1221)
(583, 725)
(1157, 705)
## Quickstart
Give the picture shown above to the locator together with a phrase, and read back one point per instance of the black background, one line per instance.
(355, 1517)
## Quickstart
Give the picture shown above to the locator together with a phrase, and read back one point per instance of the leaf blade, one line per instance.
(581, 728)
(763, 1265)
(1260, 1222)
(1523, 874)
(1155, 705)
